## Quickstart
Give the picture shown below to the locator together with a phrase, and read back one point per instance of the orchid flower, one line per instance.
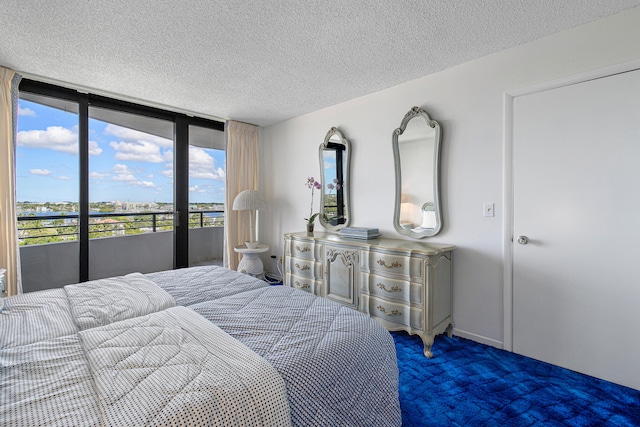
(334, 186)
(312, 184)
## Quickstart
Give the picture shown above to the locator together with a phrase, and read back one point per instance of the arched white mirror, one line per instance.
(416, 152)
(334, 168)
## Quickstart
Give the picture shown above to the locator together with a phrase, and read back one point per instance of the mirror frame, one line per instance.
(345, 182)
(413, 113)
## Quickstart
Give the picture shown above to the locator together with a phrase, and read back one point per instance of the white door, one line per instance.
(576, 181)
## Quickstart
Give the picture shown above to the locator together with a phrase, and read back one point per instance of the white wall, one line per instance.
(468, 102)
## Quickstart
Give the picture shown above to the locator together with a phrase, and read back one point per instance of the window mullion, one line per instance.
(83, 201)
(181, 194)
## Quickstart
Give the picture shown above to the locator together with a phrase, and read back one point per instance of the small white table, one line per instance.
(251, 263)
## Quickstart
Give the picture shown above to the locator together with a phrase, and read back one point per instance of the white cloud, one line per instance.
(64, 178)
(26, 112)
(146, 184)
(141, 151)
(202, 165)
(98, 175)
(217, 174)
(133, 145)
(123, 173)
(120, 168)
(55, 138)
(127, 177)
(41, 172)
(94, 148)
(196, 189)
(168, 172)
(328, 165)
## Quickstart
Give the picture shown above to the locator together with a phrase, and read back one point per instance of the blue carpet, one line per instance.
(471, 384)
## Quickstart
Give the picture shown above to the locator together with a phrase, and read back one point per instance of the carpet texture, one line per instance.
(471, 384)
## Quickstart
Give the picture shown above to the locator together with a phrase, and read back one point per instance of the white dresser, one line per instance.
(405, 285)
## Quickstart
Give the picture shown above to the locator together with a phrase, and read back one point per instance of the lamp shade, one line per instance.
(249, 200)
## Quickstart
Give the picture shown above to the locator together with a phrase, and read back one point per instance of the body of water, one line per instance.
(75, 214)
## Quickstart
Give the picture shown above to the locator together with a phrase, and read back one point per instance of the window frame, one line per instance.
(181, 160)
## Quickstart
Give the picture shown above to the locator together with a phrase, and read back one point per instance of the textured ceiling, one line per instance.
(263, 61)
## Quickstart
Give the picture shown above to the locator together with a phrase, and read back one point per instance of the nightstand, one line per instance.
(251, 263)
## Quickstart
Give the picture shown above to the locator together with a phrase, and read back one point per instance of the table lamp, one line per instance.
(250, 200)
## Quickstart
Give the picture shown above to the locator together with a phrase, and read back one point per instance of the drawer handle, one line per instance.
(394, 288)
(302, 286)
(304, 267)
(394, 312)
(305, 249)
(394, 264)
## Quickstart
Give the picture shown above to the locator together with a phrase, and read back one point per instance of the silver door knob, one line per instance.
(523, 240)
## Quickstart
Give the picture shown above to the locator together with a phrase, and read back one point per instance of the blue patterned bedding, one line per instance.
(339, 366)
(192, 285)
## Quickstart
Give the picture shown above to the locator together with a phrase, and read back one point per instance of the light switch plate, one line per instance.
(488, 209)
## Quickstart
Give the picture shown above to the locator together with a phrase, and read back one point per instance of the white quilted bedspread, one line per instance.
(104, 301)
(82, 356)
(175, 367)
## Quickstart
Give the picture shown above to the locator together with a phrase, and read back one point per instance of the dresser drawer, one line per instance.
(394, 313)
(391, 289)
(411, 268)
(304, 268)
(304, 284)
(303, 249)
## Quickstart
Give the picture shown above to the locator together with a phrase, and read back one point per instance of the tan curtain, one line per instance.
(242, 174)
(9, 253)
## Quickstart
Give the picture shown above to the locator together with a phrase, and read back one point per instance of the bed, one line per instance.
(196, 346)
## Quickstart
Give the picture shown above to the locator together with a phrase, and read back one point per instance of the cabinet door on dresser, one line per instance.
(341, 274)
(303, 265)
(439, 315)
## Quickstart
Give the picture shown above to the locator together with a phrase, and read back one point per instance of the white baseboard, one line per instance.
(478, 338)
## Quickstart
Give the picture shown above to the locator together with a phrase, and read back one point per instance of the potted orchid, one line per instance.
(312, 184)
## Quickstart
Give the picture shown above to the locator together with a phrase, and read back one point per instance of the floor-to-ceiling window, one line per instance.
(130, 191)
(207, 158)
(47, 168)
(48, 191)
(114, 185)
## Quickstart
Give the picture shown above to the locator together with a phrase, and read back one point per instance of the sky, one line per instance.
(124, 164)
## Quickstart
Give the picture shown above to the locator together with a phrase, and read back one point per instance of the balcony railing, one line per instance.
(60, 228)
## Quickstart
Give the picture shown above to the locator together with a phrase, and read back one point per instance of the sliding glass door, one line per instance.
(207, 171)
(130, 193)
(126, 187)
(47, 190)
